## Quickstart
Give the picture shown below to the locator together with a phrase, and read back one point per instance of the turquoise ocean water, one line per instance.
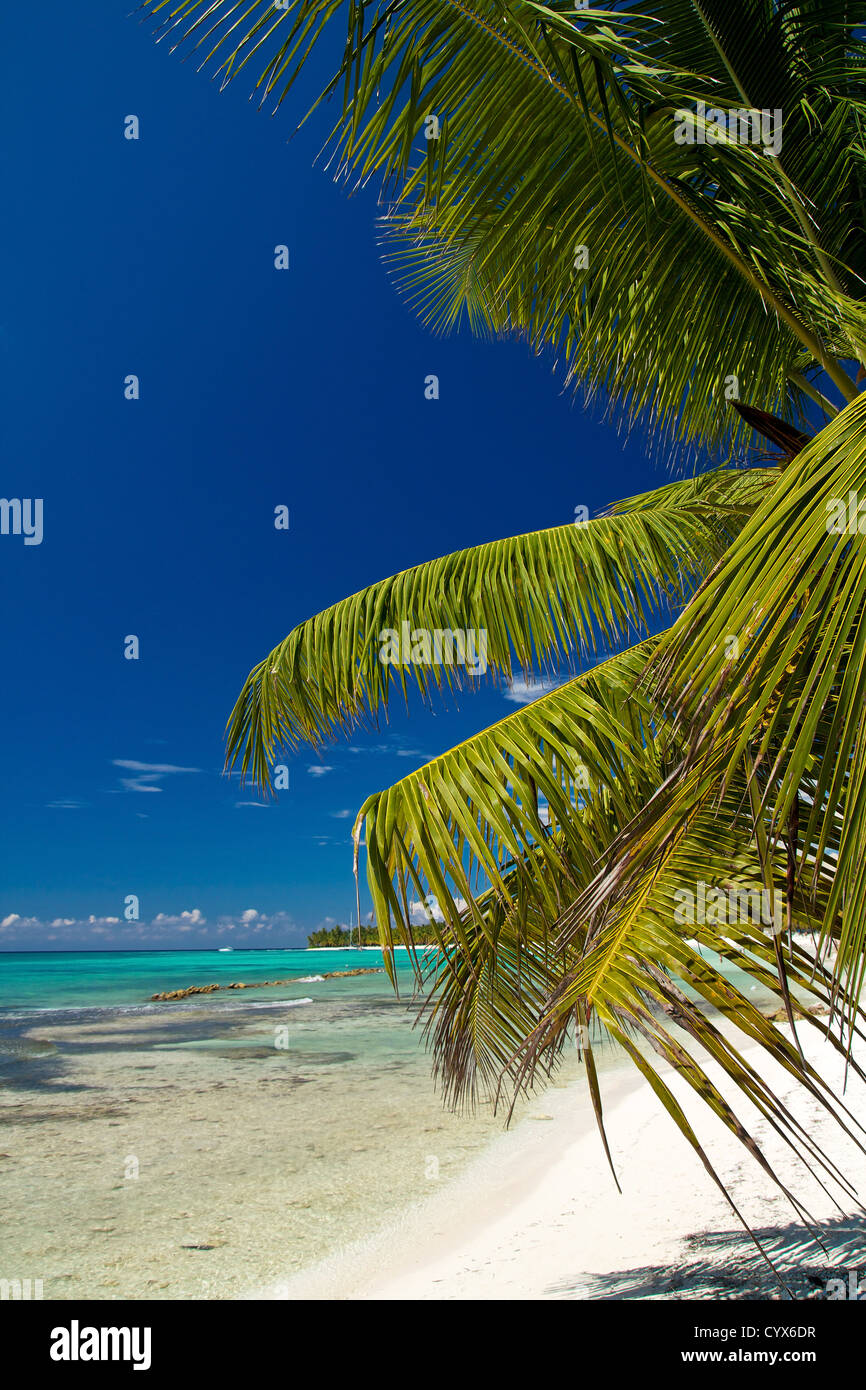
(112, 979)
(48, 980)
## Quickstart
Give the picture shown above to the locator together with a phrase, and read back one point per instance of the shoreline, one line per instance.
(183, 1151)
(537, 1215)
(419, 1245)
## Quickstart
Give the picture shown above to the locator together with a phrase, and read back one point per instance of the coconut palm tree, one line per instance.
(670, 196)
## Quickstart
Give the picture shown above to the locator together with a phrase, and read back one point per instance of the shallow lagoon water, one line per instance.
(197, 1149)
(193, 1149)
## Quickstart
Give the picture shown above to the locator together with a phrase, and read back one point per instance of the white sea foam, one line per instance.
(275, 1003)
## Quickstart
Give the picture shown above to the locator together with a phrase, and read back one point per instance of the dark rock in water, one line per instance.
(259, 984)
(183, 993)
(367, 970)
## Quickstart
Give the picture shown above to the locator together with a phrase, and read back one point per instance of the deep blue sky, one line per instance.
(258, 387)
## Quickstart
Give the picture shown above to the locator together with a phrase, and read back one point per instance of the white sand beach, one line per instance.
(537, 1216)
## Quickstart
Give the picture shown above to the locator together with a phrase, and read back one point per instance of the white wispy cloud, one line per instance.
(160, 769)
(319, 769)
(523, 692)
(148, 775)
(395, 748)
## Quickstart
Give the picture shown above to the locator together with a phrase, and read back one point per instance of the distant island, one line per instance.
(348, 936)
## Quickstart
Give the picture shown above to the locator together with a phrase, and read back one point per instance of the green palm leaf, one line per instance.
(559, 595)
(707, 262)
(767, 662)
(585, 753)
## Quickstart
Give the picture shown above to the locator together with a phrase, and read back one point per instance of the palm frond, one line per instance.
(556, 596)
(582, 756)
(768, 662)
(708, 262)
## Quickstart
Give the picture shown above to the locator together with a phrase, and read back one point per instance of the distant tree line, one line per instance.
(346, 936)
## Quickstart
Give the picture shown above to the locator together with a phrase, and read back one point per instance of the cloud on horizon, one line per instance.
(189, 929)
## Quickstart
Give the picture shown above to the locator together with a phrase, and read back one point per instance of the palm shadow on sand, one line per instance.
(727, 1266)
